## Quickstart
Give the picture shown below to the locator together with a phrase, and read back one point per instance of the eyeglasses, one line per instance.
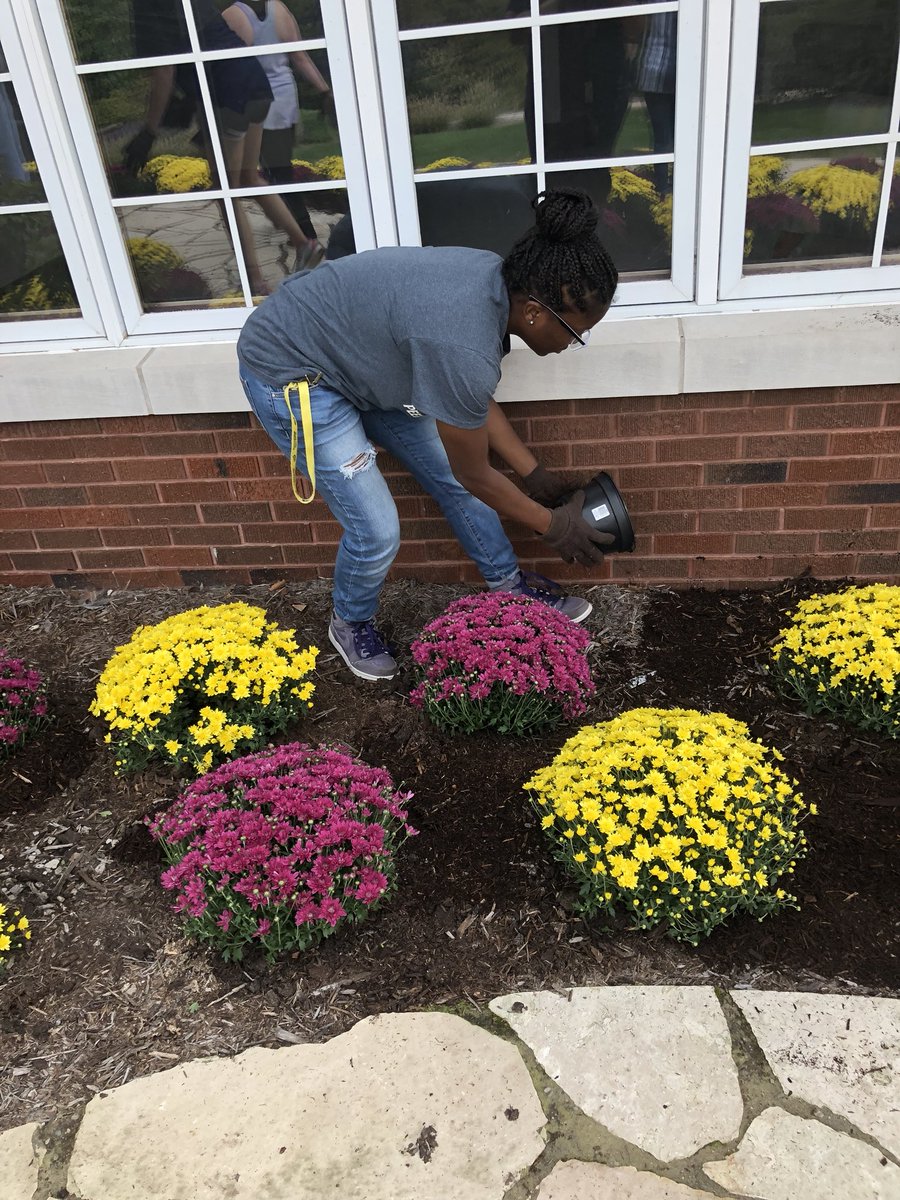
(578, 339)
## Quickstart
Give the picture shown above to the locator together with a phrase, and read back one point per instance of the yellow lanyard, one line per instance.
(302, 387)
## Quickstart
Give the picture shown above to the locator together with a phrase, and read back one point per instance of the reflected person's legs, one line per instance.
(276, 153)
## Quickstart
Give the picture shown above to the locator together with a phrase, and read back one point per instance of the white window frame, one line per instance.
(54, 162)
(784, 282)
(389, 40)
(143, 327)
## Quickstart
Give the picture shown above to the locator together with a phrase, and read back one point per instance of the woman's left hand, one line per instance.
(545, 488)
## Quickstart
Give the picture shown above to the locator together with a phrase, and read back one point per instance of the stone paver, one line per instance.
(840, 1052)
(404, 1106)
(783, 1157)
(593, 1181)
(18, 1164)
(651, 1064)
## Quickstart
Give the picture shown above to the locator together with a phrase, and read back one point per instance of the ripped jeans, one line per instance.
(355, 491)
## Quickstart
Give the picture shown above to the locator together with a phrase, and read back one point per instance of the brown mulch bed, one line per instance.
(110, 990)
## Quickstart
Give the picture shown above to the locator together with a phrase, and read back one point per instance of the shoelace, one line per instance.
(367, 641)
(541, 588)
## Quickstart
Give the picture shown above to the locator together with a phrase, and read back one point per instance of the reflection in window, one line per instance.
(825, 69)
(807, 209)
(465, 99)
(421, 14)
(892, 227)
(635, 216)
(20, 182)
(488, 214)
(182, 255)
(34, 278)
(272, 256)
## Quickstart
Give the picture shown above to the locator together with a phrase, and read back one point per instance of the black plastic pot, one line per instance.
(605, 509)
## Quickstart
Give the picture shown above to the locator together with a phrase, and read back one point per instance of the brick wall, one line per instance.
(723, 489)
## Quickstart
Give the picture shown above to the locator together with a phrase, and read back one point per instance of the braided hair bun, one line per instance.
(565, 215)
(561, 260)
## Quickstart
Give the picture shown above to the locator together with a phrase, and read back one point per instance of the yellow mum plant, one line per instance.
(673, 817)
(839, 191)
(841, 654)
(14, 933)
(330, 167)
(203, 686)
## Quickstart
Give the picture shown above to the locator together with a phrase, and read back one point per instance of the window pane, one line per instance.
(419, 14)
(119, 29)
(294, 130)
(813, 211)
(488, 214)
(635, 215)
(20, 182)
(273, 250)
(466, 97)
(34, 278)
(825, 69)
(182, 255)
(892, 228)
(179, 157)
(609, 87)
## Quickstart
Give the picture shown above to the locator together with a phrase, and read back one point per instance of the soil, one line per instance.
(109, 989)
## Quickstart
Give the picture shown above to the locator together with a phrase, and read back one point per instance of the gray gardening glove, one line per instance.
(571, 536)
(545, 488)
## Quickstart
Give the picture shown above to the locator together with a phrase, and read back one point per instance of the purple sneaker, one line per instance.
(362, 648)
(539, 587)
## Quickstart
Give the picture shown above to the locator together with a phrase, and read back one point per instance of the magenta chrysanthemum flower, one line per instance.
(22, 701)
(496, 660)
(282, 847)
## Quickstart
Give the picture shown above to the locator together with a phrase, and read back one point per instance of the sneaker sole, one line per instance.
(356, 671)
(583, 616)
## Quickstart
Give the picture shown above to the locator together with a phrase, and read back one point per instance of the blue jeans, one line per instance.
(355, 491)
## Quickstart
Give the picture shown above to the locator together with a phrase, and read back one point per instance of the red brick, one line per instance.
(178, 556)
(831, 470)
(775, 543)
(234, 514)
(781, 495)
(892, 416)
(149, 468)
(741, 519)
(624, 566)
(15, 473)
(320, 552)
(152, 577)
(659, 476)
(639, 502)
(105, 446)
(870, 392)
(206, 576)
(886, 516)
(163, 514)
(693, 543)
(271, 574)
(67, 539)
(137, 425)
(196, 491)
(832, 566)
(701, 401)
(699, 449)
(876, 441)
(233, 466)
(132, 535)
(11, 497)
(699, 499)
(746, 420)
(250, 556)
(278, 531)
(123, 493)
(30, 518)
(436, 573)
(244, 441)
(266, 489)
(606, 454)
(205, 421)
(109, 558)
(174, 445)
(554, 455)
(331, 531)
(88, 517)
(206, 535)
(52, 497)
(43, 560)
(785, 445)
(17, 539)
(792, 396)
(860, 539)
(27, 579)
(70, 426)
(838, 416)
(272, 464)
(756, 567)
(612, 404)
(885, 566)
(88, 470)
(667, 522)
(13, 429)
(416, 529)
(5, 563)
(674, 423)
(887, 468)
(822, 518)
(571, 429)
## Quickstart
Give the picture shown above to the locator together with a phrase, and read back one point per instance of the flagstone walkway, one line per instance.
(616, 1093)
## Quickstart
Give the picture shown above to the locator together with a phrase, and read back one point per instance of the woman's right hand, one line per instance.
(572, 537)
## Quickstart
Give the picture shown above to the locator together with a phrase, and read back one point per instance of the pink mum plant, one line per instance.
(23, 705)
(281, 848)
(494, 660)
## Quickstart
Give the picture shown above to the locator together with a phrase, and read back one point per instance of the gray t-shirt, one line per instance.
(415, 328)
